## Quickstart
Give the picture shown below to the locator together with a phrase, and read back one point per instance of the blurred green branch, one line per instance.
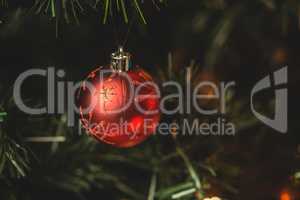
(2, 115)
(75, 7)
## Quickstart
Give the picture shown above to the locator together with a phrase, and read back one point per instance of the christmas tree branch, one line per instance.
(153, 185)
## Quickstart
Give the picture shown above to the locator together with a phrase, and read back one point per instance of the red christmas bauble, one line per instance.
(118, 107)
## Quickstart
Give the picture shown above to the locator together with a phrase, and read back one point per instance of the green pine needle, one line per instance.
(190, 167)
(2, 115)
(53, 8)
(152, 188)
(15, 164)
(139, 11)
(118, 5)
(166, 193)
(124, 11)
(106, 10)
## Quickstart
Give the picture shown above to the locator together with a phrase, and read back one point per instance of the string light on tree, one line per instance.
(285, 196)
(119, 105)
(212, 198)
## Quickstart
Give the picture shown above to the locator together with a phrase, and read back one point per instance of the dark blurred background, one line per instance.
(228, 40)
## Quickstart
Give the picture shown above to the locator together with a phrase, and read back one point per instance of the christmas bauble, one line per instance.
(118, 105)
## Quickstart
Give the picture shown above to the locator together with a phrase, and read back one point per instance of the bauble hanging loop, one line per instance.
(120, 60)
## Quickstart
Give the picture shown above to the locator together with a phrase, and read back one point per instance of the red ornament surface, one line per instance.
(119, 108)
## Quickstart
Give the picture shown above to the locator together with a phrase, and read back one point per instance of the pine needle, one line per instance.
(46, 139)
(2, 115)
(184, 193)
(75, 13)
(106, 9)
(79, 5)
(124, 11)
(15, 164)
(64, 6)
(168, 192)
(53, 8)
(152, 188)
(139, 11)
(190, 167)
(118, 5)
